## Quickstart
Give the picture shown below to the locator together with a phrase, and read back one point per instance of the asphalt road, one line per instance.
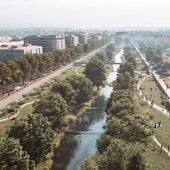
(17, 95)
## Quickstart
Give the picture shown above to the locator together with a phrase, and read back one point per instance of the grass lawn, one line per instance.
(156, 160)
(152, 92)
(25, 111)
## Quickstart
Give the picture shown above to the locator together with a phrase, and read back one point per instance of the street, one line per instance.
(18, 94)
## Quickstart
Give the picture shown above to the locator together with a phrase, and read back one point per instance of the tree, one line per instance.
(110, 47)
(89, 164)
(123, 81)
(95, 71)
(122, 156)
(35, 135)
(109, 55)
(126, 67)
(127, 51)
(103, 142)
(66, 91)
(86, 47)
(48, 60)
(32, 59)
(101, 56)
(5, 76)
(130, 129)
(83, 87)
(117, 95)
(115, 156)
(137, 159)
(12, 156)
(16, 73)
(122, 107)
(149, 54)
(131, 59)
(25, 67)
(54, 108)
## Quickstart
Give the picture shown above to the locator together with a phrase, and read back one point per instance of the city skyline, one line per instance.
(85, 14)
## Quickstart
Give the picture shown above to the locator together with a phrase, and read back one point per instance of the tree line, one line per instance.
(123, 143)
(31, 138)
(31, 66)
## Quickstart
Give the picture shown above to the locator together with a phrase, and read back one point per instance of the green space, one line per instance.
(53, 104)
(152, 92)
(156, 160)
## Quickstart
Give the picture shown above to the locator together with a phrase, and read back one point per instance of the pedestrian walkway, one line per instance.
(163, 148)
(16, 114)
(162, 110)
(153, 72)
(18, 94)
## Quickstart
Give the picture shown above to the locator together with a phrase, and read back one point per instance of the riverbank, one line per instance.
(158, 159)
(71, 118)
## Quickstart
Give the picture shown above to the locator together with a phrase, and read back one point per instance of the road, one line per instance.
(17, 95)
(153, 73)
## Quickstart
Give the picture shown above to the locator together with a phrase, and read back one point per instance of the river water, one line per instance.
(81, 143)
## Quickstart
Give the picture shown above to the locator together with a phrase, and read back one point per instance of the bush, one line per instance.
(21, 102)
(36, 92)
(10, 110)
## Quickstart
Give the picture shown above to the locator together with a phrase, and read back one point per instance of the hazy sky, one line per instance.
(84, 13)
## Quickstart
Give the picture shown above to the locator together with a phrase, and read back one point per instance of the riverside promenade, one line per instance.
(161, 83)
(16, 95)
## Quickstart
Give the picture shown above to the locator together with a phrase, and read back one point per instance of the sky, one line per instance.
(85, 13)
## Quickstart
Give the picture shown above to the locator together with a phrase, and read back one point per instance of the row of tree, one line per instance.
(122, 144)
(155, 57)
(31, 138)
(31, 66)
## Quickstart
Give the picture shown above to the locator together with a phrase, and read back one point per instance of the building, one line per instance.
(60, 43)
(83, 39)
(71, 40)
(8, 52)
(5, 39)
(49, 43)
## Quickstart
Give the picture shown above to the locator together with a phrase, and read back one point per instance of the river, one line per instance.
(76, 146)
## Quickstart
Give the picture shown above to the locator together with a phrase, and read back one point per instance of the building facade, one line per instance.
(83, 39)
(49, 43)
(12, 52)
(71, 40)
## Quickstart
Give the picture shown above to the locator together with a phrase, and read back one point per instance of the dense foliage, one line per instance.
(31, 66)
(122, 144)
(35, 136)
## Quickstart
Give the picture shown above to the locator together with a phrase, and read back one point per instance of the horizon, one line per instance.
(85, 14)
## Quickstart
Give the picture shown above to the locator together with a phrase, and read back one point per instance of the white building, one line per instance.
(72, 40)
(49, 43)
(8, 52)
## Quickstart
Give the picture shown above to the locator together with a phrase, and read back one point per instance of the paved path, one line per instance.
(17, 95)
(16, 114)
(154, 106)
(157, 142)
(153, 72)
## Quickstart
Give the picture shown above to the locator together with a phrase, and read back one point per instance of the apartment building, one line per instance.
(83, 38)
(49, 43)
(71, 40)
(8, 52)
